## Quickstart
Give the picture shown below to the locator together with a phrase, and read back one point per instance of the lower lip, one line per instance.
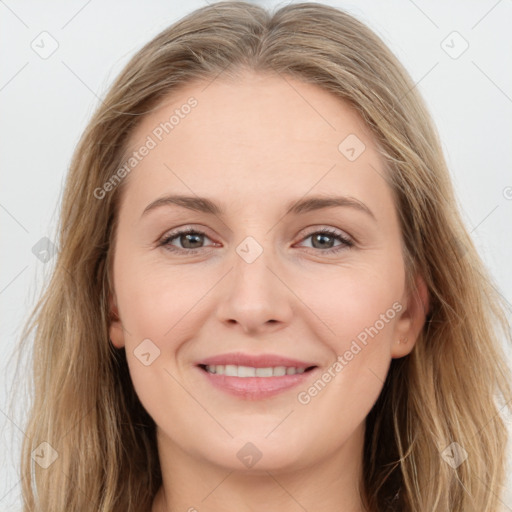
(256, 388)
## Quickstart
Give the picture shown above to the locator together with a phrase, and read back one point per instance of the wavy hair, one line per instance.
(447, 390)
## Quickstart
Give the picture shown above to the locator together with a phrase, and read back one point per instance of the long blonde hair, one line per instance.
(444, 392)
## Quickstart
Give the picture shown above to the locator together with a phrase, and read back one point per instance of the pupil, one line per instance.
(188, 238)
(321, 238)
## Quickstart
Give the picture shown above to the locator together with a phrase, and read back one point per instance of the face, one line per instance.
(258, 287)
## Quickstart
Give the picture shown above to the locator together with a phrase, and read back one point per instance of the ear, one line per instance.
(115, 329)
(412, 319)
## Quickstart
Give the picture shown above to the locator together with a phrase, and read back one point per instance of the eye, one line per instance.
(189, 239)
(323, 240)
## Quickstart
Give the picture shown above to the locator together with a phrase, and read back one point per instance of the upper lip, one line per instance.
(254, 361)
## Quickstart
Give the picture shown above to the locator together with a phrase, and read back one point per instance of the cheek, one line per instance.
(362, 318)
(360, 306)
(158, 312)
(355, 303)
(155, 300)
(161, 308)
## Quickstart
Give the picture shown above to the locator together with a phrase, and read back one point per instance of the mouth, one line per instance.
(256, 382)
(244, 372)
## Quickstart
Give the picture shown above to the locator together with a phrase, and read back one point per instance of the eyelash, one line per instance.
(165, 242)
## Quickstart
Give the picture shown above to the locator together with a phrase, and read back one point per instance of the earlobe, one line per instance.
(412, 319)
(115, 328)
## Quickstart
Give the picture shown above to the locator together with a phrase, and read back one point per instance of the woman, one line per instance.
(265, 296)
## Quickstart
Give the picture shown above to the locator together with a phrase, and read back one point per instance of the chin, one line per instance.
(256, 454)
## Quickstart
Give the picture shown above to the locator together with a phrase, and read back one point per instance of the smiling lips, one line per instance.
(254, 377)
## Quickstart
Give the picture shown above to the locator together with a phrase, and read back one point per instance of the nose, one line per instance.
(254, 297)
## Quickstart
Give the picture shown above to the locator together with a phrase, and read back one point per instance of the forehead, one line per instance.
(256, 134)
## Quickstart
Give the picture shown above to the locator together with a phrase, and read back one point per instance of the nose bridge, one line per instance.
(251, 274)
(253, 295)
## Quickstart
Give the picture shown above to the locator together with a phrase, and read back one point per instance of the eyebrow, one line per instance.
(205, 205)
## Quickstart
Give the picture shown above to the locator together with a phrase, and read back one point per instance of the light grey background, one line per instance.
(46, 102)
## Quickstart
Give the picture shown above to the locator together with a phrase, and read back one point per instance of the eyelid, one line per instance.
(310, 230)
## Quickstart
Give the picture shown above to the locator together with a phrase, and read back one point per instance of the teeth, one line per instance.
(264, 372)
(279, 371)
(231, 370)
(246, 371)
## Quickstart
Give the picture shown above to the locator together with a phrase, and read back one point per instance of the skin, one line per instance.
(253, 145)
